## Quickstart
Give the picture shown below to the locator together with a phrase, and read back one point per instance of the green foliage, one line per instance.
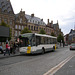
(4, 24)
(10, 30)
(52, 34)
(42, 32)
(26, 30)
(60, 38)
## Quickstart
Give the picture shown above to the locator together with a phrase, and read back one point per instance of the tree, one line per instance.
(52, 34)
(42, 32)
(10, 31)
(60, 39)
(25, 30)
(4, 24)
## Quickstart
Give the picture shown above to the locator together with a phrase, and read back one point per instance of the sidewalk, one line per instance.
(11, 55)
(17, 54)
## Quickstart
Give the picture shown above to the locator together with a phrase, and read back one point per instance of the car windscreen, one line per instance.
(72, 44)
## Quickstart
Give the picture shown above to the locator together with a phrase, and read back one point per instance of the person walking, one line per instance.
(7, 49)
(14, 48)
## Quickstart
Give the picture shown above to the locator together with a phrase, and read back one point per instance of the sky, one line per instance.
(61, 10)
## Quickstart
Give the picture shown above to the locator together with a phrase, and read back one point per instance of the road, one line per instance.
(33, 64)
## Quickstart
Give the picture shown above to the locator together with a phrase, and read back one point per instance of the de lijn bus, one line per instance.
(32, 43)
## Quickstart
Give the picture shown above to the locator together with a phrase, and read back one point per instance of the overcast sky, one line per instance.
(61, 10)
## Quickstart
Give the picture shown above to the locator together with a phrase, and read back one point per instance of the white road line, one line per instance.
(56, 68)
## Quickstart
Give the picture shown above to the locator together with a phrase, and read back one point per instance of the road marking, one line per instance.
(56, 68)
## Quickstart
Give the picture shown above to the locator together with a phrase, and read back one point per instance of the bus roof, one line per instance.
(44, 35)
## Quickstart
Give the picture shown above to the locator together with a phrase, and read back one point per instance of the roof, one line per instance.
(35, 20)
(55, 26)
(72, 31)
(5, 5)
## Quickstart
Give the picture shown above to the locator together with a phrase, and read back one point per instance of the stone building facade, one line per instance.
(35, 24)
(20, 23)
(21, 20)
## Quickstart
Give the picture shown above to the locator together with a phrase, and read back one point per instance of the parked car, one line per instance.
(72, 46)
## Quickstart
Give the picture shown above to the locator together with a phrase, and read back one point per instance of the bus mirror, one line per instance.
(33, 35)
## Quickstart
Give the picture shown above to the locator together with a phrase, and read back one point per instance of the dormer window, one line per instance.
(33, 21)
(38, 22)
(2, 3)
(29, 20)
(3, 6)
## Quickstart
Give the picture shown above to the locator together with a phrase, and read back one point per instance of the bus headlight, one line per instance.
(33, 50)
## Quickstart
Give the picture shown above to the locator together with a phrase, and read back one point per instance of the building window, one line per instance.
(31, 27)
(19, 32)
(33, 21)
(16, 27)
(19, 27)
(34, 27)
(22, 27)
(37, 28)
(20, 20)
(5, 20)
(29, 21)
(10, 22)
(15, 33)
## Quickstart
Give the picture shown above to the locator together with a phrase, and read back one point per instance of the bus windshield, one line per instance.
(25, 40)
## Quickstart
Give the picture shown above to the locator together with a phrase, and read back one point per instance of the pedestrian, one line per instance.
(14, 47)
(1, 48)
(7, 49)
(11, 47)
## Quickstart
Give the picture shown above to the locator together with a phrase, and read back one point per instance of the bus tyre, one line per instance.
(43, 50)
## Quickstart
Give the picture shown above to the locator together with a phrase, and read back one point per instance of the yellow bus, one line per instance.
(32, 43)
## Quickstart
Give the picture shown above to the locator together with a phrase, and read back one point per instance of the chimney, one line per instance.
(52, 22)
(41, 19)
(23, 12)
(57, 21)
(48, 21)
(32, 15)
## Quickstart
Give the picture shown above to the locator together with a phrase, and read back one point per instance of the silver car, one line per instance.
(72, 46)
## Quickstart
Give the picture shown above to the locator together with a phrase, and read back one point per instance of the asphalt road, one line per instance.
(33, 64)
